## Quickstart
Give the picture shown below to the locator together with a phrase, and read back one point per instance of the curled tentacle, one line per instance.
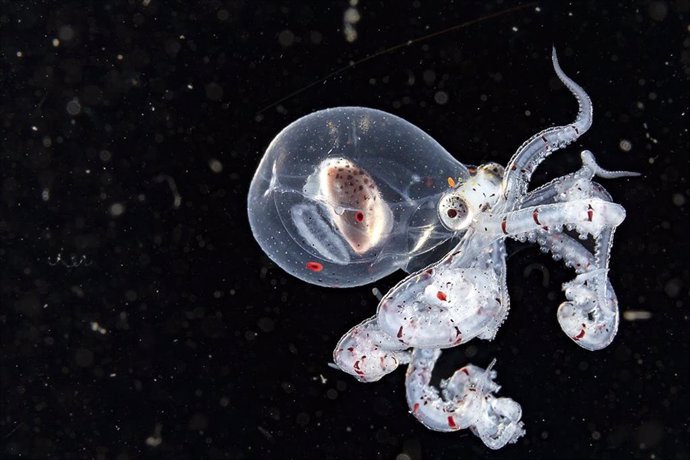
(538, 147)
(466, 400)
(590, 314)
(367, 353)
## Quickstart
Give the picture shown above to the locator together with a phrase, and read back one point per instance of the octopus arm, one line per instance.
(578, 183)
(367, 353)
(586, 216)
(533, 151)
(589, 317)
(498, 262)
(464, 401)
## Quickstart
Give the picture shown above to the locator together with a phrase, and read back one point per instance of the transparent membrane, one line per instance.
(345, 196)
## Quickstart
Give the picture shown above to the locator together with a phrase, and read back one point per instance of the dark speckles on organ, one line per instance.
(354, 202)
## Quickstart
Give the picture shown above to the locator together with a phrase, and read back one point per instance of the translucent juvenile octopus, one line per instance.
(345, 196)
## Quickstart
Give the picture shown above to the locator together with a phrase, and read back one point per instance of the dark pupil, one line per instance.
(452, 213)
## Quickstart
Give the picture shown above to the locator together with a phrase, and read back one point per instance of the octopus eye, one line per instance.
(453, 212)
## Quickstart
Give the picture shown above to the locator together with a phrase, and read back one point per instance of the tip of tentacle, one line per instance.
(556, 65)
(589, 161)
(559, 71)
(491, 365)
(584, 116)
(487, 379)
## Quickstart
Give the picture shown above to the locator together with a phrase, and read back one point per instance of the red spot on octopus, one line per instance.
(314, 266)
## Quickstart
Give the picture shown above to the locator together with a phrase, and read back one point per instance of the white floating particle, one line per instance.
(97, 328)
(625, 145)
(117, 209)
(215, 165)
(73, 107)
(678, 199)
(441, 97)
(636, 315)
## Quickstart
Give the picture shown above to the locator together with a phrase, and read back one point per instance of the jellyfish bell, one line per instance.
(345, 196)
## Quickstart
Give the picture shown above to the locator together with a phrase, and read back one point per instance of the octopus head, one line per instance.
(458, 207)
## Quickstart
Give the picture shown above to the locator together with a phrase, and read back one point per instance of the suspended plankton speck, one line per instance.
(223, 14)
(636, 315)
(117, 209)
(20, 54)
(73, 107)
(97, 328)
(679, 199)
(625, 145)
(350, 19)
(441, 97)
(155, 439)
(215, 165)
(56, 42)
(45, 194)
(286, 38)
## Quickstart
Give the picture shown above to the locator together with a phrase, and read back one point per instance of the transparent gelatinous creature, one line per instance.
(345, 196)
